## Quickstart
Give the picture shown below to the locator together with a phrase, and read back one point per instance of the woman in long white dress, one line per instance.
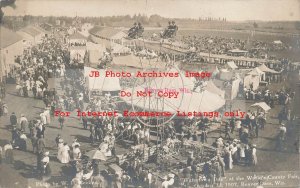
(62, 72)
(47, 114)
(254, 157)
(242, 153)
(60, 149)
(65, 158)
(230, 160)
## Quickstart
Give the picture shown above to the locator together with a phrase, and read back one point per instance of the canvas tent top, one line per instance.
(264, 68)
(255, 71)
(261, 105)
(117, 48)
(77, 36)
(101, 83)
(199, 102)
(105, 32)
(211, 87)
(232, 65)
(205, 101)
(94, 56)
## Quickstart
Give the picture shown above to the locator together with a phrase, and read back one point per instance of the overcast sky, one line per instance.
(234, 10)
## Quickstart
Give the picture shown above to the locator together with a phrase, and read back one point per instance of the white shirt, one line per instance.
(76, 153)
(7, 146)
(238, 124)
(23, 119)
(74, 144)
(46, 159)
(149, 177)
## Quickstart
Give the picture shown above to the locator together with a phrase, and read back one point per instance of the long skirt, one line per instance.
(254, 160)
(65, 158)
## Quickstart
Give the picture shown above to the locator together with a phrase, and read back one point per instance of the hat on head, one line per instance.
(46, 153)
(171, 175)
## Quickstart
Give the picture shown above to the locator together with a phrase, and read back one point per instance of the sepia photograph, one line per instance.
(149, 93)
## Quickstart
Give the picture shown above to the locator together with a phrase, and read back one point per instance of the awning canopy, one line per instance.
(232, 65)
(204, 101)
(256, 72)
(211, 87)
(264, 68)
(261, 105)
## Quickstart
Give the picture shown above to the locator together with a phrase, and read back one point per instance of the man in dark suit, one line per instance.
(13, 119)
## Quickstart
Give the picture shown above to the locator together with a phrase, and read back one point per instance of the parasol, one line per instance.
(96, 154)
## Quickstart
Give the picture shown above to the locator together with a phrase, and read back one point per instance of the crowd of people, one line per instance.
(207, 163)
(223, 45)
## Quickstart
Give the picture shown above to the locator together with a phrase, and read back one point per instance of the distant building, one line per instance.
(32, 35)
(107, 36)
(11, 46)
(95, 52)
(77, 47)
(77, 39)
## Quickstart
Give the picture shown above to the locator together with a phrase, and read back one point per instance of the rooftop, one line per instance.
(106, 32)
(77, 36)
(32, 30)
(8, 37)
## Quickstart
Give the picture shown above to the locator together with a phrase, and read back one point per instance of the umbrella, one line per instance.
(261, 105)
(96, 154)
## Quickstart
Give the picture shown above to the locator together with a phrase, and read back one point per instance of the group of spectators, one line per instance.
(223, 45)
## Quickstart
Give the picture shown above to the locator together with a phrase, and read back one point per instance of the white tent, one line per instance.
(205, 101)
(100, 83)
(226, 75)
(254, 77)
(118, 49)
(232, 65)
(261, 105)
(266, 69)
(77, 53)
(235, 88)
(211, 87)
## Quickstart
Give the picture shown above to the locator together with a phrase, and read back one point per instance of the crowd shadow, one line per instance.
(38, 107)
(72, 126)
(81, 138)
(28, 171)
(54, 127)
(14, 94)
